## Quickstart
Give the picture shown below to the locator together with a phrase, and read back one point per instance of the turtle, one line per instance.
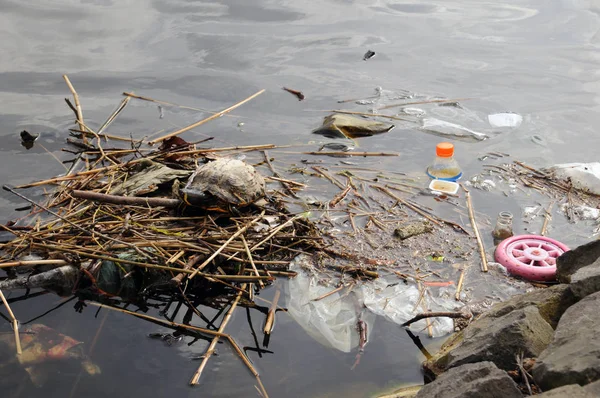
(223, 183)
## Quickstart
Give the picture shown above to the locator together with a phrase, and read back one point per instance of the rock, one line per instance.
(494, 339)
(413, 229)
(571, 391)
(586, 280)
(482, 379)
(551, 302)
(580, 257)
(574, 354)
(593, 388)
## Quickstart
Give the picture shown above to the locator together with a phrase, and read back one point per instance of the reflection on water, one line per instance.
(540, 60)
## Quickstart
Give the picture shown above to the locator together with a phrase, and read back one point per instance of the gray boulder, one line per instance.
(574, 354)
(593, 388)
(551, 302)
(586, 280)
(494, 339)
(580, 257)
(570, 391)
(475, 380)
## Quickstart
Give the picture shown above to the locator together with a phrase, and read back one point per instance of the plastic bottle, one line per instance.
(444, 166)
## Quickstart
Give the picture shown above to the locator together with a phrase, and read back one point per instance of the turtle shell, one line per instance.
(228, 181)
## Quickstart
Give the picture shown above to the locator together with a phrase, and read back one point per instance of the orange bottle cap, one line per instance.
(444, 149)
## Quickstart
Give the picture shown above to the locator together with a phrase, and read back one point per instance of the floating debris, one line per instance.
(346, 126)
(297, 93)
(27, 139)
(507, 119)
(368, 55)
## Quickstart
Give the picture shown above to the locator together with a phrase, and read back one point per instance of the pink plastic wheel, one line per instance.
(532, 257)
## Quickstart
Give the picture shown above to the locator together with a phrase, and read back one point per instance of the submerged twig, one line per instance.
(212, 117)
(484, 264)
(15, 323)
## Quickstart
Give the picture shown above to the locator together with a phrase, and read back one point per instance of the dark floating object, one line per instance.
(368, 55)
(27, 139)
(297, 93)
(334, 146)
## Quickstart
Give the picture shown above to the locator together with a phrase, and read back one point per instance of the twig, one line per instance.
(440, 101)
(547, 218)
(270, 321)
(11, 264)
(436, 314)
(211, 347)
(351, 154)
(201, 122)
(126, 200)
(370, 114)
(224, 245)
(459, 285)
(15, 323)
(247, 249)
(339, 197)
(79, 113)
(484, 264)
(405, 203)
(337, 289)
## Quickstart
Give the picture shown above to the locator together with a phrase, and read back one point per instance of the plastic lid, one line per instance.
(444, 149)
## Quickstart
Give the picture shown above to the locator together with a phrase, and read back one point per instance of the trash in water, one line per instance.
(443, 128)
(412, 111)
(336, 147)
(448, 187)
(346, 126)
(27, 139)
(583, 176)
(147, 179)
(42, 348)
(368, 55)
(297, 93)
(503, 227)
(507, 119)
(444, 166)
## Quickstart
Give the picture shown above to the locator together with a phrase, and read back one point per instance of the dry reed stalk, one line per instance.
(484, 264)
(349, 154)
(212, 117)
(113, 116)
(232, 148)
(11, 264)
(15, 323)
(270, 321)
(547, 218)
(284, 183)
(249, 254)
(440, 101)
(224, 245)
(275, 230)
(126, 200)
(78, 111)
(370, 114)
(329, 177)
(459, 285)
(132, 95)
(405, 203)
(211, 347)
(428, 315)
(337, 289)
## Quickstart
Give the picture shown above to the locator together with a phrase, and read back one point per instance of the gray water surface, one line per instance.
(538, 59)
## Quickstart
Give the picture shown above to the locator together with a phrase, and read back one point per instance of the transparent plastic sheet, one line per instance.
(332, 321)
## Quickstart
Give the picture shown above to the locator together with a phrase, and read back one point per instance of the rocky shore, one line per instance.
(545, 342)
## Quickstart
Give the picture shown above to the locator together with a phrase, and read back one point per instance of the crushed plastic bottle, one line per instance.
(444, 166)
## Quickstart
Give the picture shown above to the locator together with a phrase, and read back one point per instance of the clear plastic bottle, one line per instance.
(444, 166)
